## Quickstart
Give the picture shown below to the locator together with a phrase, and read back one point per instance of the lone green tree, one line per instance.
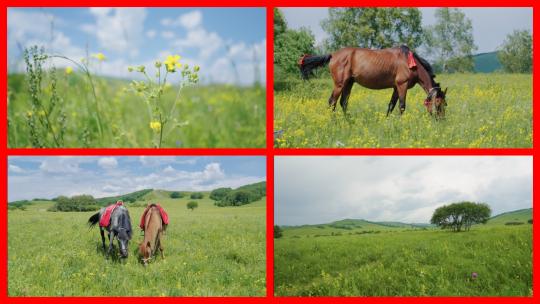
(289, 46)
(515, 54)
(450, 40)
(461, 216)
(192, 205)
(373, 27)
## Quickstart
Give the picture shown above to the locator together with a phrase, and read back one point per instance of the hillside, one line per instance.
(486, 62)
(360, 226)
(522, 215)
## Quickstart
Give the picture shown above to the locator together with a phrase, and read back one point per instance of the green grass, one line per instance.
(484, 110)
(211, 251)
(404, 262)
(207, 116)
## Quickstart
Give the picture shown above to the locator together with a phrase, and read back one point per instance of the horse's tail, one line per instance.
(93, 220)
(309, 63)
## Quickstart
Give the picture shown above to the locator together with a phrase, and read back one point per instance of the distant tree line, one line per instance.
(448, 43)
(240, 196)
(79, 203)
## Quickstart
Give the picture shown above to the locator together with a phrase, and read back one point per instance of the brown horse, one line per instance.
(153, 230)
(398, 68)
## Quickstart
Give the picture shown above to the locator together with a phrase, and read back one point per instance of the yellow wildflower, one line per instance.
(99, 56)
(29, 113)
(155, 125)
(69, 70)
(196, 68)
(172, 63)
(41, 113)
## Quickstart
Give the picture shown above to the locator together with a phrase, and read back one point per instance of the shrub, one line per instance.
(192, 205)
(529, 221)
(514, 223)
(196, 195)
(219, 193)
(80, 203)
(278, 232)
(177, 194)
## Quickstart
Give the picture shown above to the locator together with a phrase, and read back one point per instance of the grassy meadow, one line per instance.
(360, 258)
(484, 111)
(211, 251)
(201, 116)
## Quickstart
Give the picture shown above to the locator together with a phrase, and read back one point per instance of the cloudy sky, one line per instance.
(48, 177)
(490, 25)
(315, 190)
(212, 38)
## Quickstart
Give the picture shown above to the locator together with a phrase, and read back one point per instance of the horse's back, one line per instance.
(373, 69)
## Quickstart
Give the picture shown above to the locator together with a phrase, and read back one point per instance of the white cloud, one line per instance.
(206, 42)
(15, 169)
(151, 34)
(119, 30)
(108, 163)
(61, 164)
(404, 188)
(169, 169)
(189, 20)
(167, 34)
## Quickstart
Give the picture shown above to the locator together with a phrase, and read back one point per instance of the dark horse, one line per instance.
(119, 227)
(398, 68)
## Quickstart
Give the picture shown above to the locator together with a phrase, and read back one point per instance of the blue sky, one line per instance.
(212, 38)
(316, 190)
(490, 25)
(50, 176)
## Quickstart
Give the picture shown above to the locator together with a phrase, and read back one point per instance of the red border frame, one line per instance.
(269, 151)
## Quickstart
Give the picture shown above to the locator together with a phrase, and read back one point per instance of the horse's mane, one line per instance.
(425, 64)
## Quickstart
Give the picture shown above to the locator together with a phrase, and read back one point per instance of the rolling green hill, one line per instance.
(522, 215)
(486, 62)
(360, 226)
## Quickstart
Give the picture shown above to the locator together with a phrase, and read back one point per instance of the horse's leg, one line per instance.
(402, 92)
(102, 237)
(160, 234)
(392, 103)
(332, 101)
(345, 94)
(111, 239)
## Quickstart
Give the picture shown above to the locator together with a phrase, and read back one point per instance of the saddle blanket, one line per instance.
(164, 216)
(106, 218)
(410, 61)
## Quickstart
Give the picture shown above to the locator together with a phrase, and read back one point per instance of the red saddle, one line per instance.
(164, 216)
(106, 218)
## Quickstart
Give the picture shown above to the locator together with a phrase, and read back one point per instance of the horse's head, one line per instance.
(123, 240)
(436, 98)
(145, 252)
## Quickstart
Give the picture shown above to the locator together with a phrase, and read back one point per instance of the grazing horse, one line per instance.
(398, 68)
(153, 231)
(119, 226)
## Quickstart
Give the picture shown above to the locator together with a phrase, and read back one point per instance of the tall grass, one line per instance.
(211, 251)
(406, 263)
(75, 108)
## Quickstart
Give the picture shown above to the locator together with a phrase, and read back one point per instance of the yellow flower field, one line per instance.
(484, 111)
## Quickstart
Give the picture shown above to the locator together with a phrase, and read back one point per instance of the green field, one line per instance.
(366, 260)
(211, 251)
(484, 111)
(204, 115)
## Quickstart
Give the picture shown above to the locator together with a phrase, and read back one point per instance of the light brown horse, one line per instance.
(398, 68)
(153, 231)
